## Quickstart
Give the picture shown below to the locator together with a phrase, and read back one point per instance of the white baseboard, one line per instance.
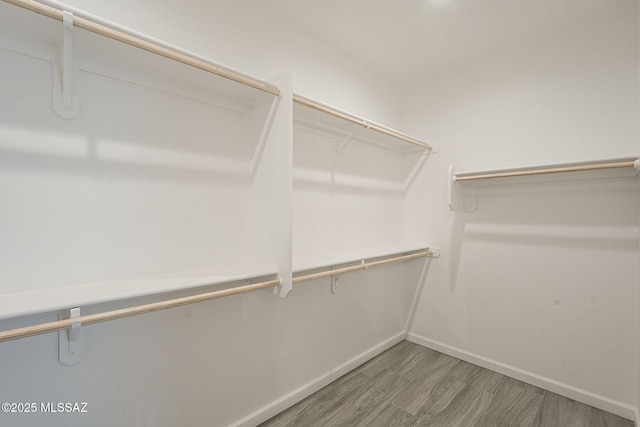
(566, 390)
(279, 405)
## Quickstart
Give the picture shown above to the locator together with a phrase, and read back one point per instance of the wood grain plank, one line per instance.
(465, 409)
(514, 404)
(418, 394)
(405, 358)
(387, 415)
(558, 410)
(366, 400)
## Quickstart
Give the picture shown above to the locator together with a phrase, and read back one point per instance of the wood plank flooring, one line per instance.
(410, 385)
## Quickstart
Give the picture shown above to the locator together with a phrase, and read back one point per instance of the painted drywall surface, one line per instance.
(257, 39)
(543, 276)
(354, 200)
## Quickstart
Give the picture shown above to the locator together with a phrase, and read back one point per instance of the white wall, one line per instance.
(542, 278)
(356, 205)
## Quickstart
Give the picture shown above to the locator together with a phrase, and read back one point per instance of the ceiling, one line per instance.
(405, 39)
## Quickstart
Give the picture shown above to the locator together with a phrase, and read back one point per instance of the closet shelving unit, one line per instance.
(323, 194)
(463, 185)
(224, 194)
(167, 215)
(347, 126)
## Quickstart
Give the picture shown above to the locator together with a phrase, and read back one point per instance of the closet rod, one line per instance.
(61, 325)
(550, 170)
(358, 121)
(342, 270)
(90, 319)
(147, 45)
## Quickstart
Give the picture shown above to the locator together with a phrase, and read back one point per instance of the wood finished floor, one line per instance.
(410, 385)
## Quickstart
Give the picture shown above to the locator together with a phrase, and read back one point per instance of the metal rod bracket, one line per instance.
(334, 282)
(71, 342)
(337, 163)
(461, 198)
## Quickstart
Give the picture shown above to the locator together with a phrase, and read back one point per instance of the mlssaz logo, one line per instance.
(68, 407)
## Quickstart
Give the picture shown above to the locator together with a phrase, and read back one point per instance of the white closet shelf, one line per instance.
(52, 300)
(322, 118)
(601, 168)
(301, 264)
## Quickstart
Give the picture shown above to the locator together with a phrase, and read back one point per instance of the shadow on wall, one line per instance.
(321, 166)
(572, 214)
(155, 129)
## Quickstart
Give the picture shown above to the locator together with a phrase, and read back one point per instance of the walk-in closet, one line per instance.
(319, 213)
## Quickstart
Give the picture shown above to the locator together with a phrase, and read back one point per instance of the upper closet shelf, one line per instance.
(319, 117)
(102, 46)
(603, 168)
(55, 299)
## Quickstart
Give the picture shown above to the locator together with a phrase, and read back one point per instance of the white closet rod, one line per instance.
(358, 121)
(90, 319)
(362, 266)
(548, 170)
(147, 44)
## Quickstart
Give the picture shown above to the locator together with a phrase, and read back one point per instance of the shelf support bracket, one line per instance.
(71, 342)
(336, 277)
(344, 144)
(334, 283)
(460, 199)
(66, 100)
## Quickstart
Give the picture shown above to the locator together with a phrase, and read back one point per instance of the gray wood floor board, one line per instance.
(403, 358)
(412, 386)
(479, 378)
(390, 359)
(456, 399)
(558, 410)
(391, 383)
(318, 404)
(418, 393)
(512, 405)
(416, 360)
(463, 410)
(380, 390)
(387, 415)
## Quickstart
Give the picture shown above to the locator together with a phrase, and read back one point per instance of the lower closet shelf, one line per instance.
(54, 299)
